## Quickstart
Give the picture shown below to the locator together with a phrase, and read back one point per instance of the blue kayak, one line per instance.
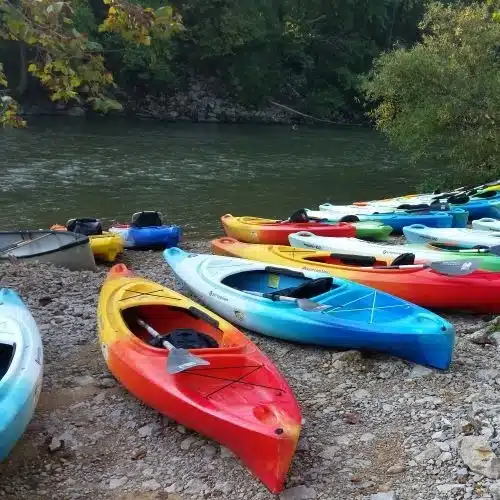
(147, 231)
(344, 314)
(21, 367)
(456, 217)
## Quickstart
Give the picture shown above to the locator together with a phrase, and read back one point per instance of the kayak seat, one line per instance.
(6, 355)
(307, 290)
(147, 219)
(85, 225)
(355, 260)
(405, 259)
(185, 338)
(458, 199)
(349, 218)
(440, 206)
(299, 216)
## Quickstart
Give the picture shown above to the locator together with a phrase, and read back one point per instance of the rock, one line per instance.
(445, 456)
(481, 336)
(298, 493)
(76, 111)
(384, 495)
(447, 488)
(226, 453)
(420, 371)
(495, 490)
(432, 451)
(329, 452)
(106, 383)
(360, 395)
(352, 417)
(350, 355)
(477, 454)
(396, 468)
(55, 444)
(195, 486)
(117, 482)
(151, 485)
(146, 430)
(366, 437)
(186, 443)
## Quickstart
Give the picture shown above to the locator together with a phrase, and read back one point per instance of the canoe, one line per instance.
(397, 219)
(475, 292)
(239, 399)
(105, 246)
(21, 369)
(387, 253)
(486, 224)
(59, 248)
(464, 237)
(258, 230)
(354, 316)
(147, 231)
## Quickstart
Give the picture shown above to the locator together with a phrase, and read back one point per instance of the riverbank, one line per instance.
(372, 423)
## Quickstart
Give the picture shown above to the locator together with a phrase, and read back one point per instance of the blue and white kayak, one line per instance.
(460, 237)
(396, 219)
(21, 367)
(148, 237)
(486, 224)
(263, 298)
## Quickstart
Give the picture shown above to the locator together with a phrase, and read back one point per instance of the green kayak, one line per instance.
(370, 230)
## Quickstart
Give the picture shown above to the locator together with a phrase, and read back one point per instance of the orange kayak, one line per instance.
(239, 398)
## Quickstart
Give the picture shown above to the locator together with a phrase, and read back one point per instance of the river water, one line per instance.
(60, 168)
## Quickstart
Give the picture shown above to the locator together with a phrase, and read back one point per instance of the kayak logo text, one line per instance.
(217, 296)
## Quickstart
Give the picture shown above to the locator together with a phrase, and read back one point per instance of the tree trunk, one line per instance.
(23, 70)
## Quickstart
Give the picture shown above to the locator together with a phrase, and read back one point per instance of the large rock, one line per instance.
(298, 493)
(477, 454)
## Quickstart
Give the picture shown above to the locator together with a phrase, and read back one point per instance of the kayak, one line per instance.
(396, 219)
(105, 246)
(387, 253)
(21, 369)
(370, 230)
(349, 315)
(238, 397)
(486, 204)
(475, 292)
(486, 224)
(258, 230)
(465, 238)
(147, 231)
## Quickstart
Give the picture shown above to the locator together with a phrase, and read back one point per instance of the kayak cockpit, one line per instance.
(7, 352)
(338, 259)
(275, 280)
(184, 328)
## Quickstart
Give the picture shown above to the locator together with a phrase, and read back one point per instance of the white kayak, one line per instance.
(355, 247)
(462, 237)
(486, 224)
(326, 210)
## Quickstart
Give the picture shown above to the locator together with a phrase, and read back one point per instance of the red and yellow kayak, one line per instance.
(240, 399)
(257, 230)
(475, 292)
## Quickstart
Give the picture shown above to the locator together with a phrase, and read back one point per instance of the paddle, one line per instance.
(178, 359)
(304, 304)
(22, 243)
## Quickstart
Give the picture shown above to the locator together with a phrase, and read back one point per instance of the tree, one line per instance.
(66, 61)
(440, 99)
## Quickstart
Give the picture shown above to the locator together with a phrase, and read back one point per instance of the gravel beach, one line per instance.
(375, 427)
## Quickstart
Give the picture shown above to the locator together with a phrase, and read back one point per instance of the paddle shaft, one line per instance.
(21, 243)
(155, 334)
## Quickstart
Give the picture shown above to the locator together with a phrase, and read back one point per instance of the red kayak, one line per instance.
(234, 395)
(275, 232)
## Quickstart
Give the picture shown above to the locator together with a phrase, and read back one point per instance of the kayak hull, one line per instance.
(153, 237)
(240, 399)
(258, 230)
(465, 238)
(486, 224)
(358, 317)
(21, 380)
(372, 231)
(475, 292)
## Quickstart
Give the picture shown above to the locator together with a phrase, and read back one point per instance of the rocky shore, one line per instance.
(375, 427)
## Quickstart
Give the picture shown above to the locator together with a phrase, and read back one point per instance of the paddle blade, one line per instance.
(494, 250)
(180, 360)
(456, 267)
(309, 305)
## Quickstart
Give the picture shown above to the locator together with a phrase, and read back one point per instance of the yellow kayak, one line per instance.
(105, 246)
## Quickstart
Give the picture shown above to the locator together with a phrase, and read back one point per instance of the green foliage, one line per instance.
(440, 100)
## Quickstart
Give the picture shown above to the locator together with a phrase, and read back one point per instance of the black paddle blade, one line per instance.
(494, 250)
(456, 267)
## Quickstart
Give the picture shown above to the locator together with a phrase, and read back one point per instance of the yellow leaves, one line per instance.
(32, 68)
(3, 80)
